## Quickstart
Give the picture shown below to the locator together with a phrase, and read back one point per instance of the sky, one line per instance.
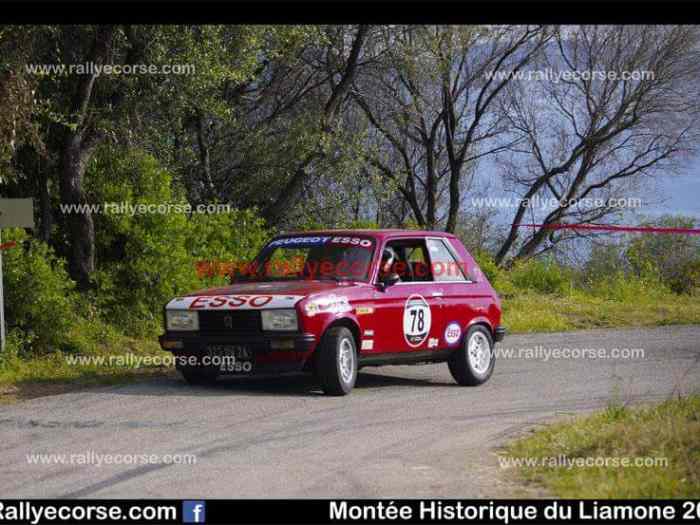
(682, 193)
(677, 194)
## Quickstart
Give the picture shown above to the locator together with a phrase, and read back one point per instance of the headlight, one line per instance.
(181, 320)
(279, 320)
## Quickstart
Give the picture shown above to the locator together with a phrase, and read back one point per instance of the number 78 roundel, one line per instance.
(416, 320)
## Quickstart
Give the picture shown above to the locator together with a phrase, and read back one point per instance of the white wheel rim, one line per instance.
(479, 353)
(346, 360)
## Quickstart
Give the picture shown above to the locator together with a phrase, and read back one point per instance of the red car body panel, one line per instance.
(376, 315)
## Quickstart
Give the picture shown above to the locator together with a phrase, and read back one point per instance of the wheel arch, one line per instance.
(483, 321)
(350, 324)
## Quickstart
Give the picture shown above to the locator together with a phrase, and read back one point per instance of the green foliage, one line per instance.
(19, 103)
(603, 260)
(488, 266)
(222, 56)
(499, 278)
(619, 286)
(142, 258)
(145, 259)
(44, 313)
(673, 260)
(541, 275)
(227, 238)
(362, 224)
(685, 278)
(40, 298)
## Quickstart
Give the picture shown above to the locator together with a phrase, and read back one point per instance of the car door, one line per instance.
(408, 314)
(462, 300)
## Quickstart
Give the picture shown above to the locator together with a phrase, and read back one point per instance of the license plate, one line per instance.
(232, 359)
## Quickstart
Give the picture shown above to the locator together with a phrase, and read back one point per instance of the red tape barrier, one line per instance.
(611, 228)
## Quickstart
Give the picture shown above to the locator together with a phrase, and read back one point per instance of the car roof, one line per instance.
(378, 233)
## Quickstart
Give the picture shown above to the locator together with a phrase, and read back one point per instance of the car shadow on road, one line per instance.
(377, 380)
(288, 385)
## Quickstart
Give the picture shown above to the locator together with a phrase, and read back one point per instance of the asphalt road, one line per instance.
(404, 431)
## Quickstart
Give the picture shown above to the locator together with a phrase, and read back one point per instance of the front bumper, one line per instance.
(273, 353)
(499, 334)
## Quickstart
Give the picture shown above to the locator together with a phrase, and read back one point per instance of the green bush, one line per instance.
(224, 239)
(541, 275)
(145, 259)
(141, 258)
(671, 259)
(40, 298)
(627, 288)
(498, 277)
(685, 279)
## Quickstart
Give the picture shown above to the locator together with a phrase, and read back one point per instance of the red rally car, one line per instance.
(331, 302)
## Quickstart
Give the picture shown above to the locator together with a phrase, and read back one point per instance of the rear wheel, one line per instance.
(473, 363)
(336, 362)
(199, 375)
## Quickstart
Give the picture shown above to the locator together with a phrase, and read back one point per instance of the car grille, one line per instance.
(245, 322)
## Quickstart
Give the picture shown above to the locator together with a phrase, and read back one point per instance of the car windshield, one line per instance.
(324, 257)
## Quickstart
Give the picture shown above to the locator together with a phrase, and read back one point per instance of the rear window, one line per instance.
(445, 266)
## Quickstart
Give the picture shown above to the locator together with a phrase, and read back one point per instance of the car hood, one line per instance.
(257, 295)
(306, 287)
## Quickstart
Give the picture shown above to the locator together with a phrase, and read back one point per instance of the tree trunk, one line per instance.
(81, 228)
(45, 215)
(204, 156)
(78, 145)
(431, 188)
(455, 199)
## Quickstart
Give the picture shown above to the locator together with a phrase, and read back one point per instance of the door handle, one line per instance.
(437, 294)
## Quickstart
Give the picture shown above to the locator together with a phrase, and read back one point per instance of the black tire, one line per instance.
(460, 364)
(335, 343)
(199, 375)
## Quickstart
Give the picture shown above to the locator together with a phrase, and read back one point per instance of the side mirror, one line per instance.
(389, 279)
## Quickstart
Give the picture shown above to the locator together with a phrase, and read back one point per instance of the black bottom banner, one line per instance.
(309, 512)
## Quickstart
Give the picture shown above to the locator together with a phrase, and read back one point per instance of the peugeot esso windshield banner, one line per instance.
(309, 512)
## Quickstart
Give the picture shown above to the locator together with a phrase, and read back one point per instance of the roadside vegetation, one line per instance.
(637, 281)
(664, 439)
(299, 127)
(143, 264)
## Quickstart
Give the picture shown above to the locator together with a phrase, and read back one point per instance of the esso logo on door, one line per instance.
(416, 320)
(452, 333)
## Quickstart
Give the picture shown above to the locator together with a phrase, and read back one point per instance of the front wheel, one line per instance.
(336, 363)
(473, 363)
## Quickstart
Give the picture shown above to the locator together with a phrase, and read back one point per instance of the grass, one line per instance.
(29, 377)
(669, 432)
(534, 312)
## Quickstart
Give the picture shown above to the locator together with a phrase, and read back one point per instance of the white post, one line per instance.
(2, 308)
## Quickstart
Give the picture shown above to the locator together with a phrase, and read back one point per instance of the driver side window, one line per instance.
(410, 260)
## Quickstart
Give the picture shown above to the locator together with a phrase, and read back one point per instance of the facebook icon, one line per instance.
(193, 511)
